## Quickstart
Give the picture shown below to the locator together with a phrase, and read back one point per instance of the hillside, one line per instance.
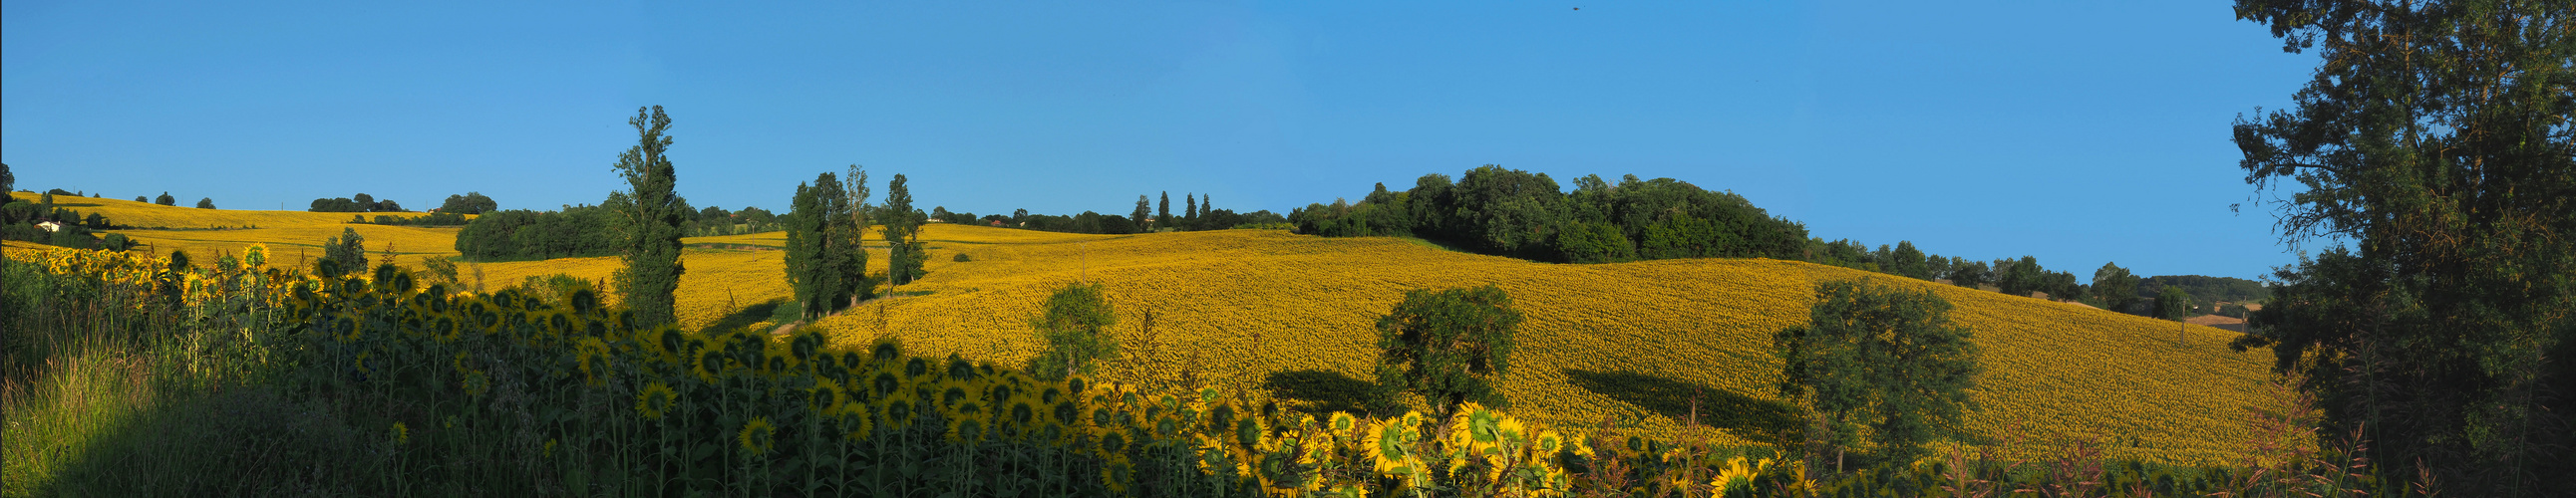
(1254, 307)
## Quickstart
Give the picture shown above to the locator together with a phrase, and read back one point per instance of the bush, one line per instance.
(1450, 346)
(961, 258)
(206, 203)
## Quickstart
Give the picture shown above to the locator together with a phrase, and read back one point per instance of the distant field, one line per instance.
(149, 215)
(1635, 340)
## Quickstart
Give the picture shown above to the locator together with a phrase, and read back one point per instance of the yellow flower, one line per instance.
(857, 421)
(756, 436)
(656, 399)
(402, 434)
(476, 383)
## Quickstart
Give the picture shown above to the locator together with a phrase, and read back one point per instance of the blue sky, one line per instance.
(2078, 132)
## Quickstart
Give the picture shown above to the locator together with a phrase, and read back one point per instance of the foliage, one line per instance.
(206, 203)
(519, 234)
(1882, 358)
(1076, 331)
(343, 254)
(468, 203)
(651, 247)
(2173, 304)
(1449, 346)
(1515, 213)
(166, 200)
(900, 226)
(361, 203)
(2115, 287)
(2205, 288)
(824, 260)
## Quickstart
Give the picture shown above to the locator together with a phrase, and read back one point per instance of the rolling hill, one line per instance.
(1631, 341)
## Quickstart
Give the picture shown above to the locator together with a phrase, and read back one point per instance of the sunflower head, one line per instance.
(896, 411)
(656, 400)
(401, 434)
(756, 436)
(857, 421)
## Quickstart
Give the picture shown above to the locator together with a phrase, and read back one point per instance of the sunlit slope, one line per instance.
(149, 215)
(1243, 304)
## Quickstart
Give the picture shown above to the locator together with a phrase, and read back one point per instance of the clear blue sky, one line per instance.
(2079, 132)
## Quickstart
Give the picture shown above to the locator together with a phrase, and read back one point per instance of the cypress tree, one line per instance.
(652, 248)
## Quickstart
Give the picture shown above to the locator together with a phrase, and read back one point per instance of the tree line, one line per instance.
(1516, 213)
(1197, 213)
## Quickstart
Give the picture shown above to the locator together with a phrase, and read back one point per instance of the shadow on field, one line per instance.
(745, 317)
(1744, 416)
(1324, 391)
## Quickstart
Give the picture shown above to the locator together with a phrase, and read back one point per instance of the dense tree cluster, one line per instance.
(361, 203)
(2436, 143)
(438, 219)
(826, 266)
(519, 234)
(468, 203)
(1516, 213)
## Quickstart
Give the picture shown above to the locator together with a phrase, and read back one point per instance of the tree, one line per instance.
(817, 257)
(1969, 274)
(1076, 329)
(1450, 346)
(2439, 140)
(166, 200)
(469, 203)
(1163, 211)
(1593, 242)
(142, 199)
(206, 203)
(2115, 287)
(342, 254)
(653, 216)
(855, 186)
(8, 182)
(1189, 211)
(902, 231)
(2020, 278)
(1908, 262)
(1141, 212)
(1880, 357)
(2173, 304)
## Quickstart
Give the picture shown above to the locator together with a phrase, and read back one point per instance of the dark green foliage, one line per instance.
(1163, 212)
(1189, 211)
(2115, 288)
(519, 234)
(1141, 213)
(206, 203)
(142, 199)
(1882, 358)
(2437, 143)
(2207, 288)
(469, 203)
(2020, 278)
(1076, 330)
(1517, 213)
(342, 254)
(1449, 346)
(438, 219)
(1593, 242)
(361, 203)
(900, 225)
(1969, 274)
(166, 200)
(8, 182)
(825, 265)
(1907, 262)
(2173, 304)
(652, 247)
(961, 258)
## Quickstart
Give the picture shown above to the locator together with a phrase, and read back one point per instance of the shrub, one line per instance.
(1450, 346)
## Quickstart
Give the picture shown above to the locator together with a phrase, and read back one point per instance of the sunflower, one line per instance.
(966, 430)
(1389, 446)
(825, 397)
(897, 411)
(1343, 425)
(857, 421)
(401, 434)
(1116, 474)
(592, 355)
(756, 436)
(656, 399)
(476, 383)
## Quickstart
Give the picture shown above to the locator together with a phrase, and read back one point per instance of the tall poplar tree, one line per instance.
(2437, 140)
(855, 186)
(901, 227)
(1139, 216)
(652, 248)
(1163, 212)
(819, 261)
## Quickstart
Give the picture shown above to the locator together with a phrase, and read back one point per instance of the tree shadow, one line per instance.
(1322, 391)
(1744, 416)
(745, 317)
